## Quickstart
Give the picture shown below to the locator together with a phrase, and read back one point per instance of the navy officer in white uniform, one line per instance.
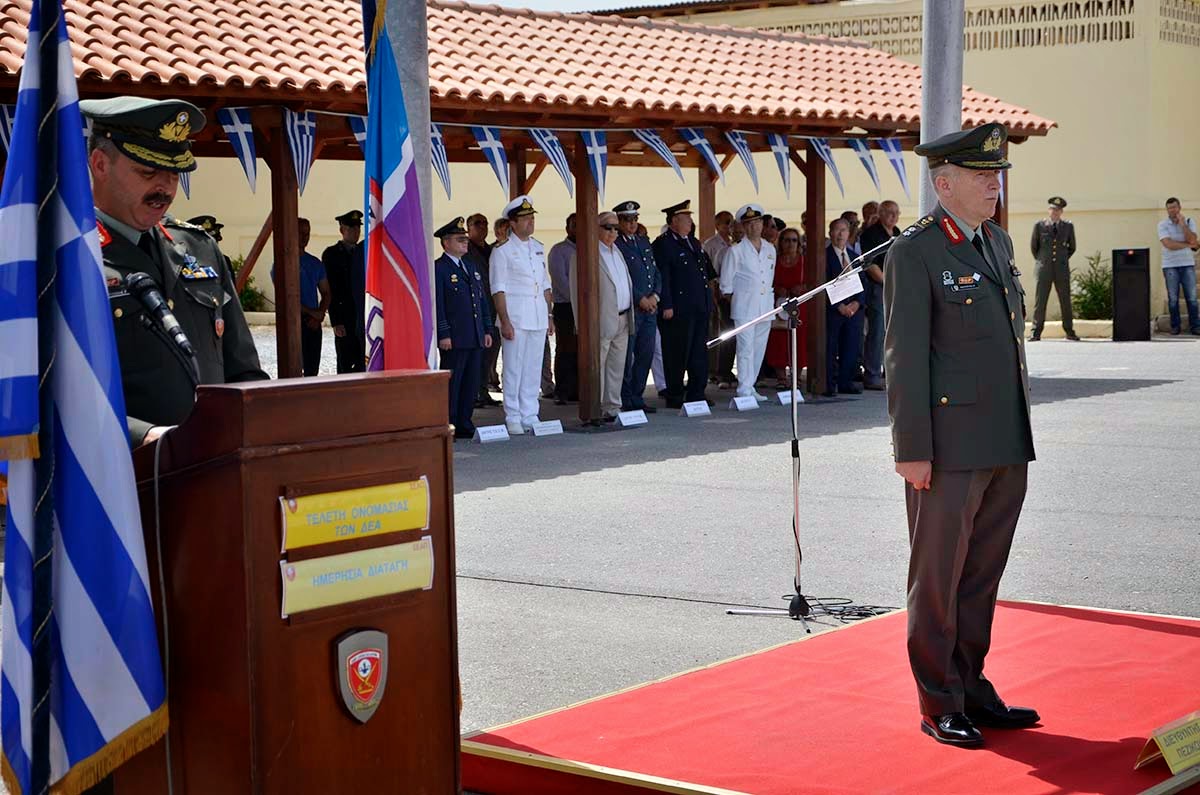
(524, 303)
(748, 275)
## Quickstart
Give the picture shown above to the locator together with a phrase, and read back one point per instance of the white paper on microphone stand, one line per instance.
(844, 287)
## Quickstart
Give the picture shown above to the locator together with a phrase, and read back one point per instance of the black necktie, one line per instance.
(146, 244)
(1054, 226)
(977, 241)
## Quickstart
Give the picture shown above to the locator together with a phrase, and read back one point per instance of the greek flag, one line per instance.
(301, 129)
(653, 140)
(694, 137)
(895, 155)
(81, 681)
(240, 132)
(441, 161)
(821, 145)
(742, 147)
(7, 112)
(185, 184)
(863, 150)
(489, 142)
(358, 126)
(549, 143)
(783, 159)
(596, 144)
(1000, 174)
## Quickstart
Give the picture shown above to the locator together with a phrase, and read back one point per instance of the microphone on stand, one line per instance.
(143, 288)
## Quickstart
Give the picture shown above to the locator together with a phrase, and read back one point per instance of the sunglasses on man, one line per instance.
(609, 227)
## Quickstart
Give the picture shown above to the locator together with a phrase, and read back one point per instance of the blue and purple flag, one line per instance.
(399, 312)
(81, 680)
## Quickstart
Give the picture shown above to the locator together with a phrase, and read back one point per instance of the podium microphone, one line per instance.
(142, 287)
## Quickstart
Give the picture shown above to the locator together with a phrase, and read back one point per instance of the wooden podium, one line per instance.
(257, 701)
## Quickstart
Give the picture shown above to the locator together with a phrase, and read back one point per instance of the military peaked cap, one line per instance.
(627, 208)
(1057, 201)
(152, 132)
(350, 218)
(749, 212)
(517, 208)
(209, 224)
(980, 148)
(684, 206)
(456, 227)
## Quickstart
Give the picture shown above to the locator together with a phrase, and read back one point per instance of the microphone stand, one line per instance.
(190, 366)
(798, 606)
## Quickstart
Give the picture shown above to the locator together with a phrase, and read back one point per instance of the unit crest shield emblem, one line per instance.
(362, 658)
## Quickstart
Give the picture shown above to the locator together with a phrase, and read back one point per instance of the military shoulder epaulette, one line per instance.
(175, 223)
(920, 226)
(499, 244)
(535, 240)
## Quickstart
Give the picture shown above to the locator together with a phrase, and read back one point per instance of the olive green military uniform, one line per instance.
(958, 396)
(185, 263)
(1052, 246)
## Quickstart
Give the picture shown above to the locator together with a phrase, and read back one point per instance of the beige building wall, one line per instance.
(1120, 77)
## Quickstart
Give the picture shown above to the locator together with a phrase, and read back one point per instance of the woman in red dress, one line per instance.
(789, 282)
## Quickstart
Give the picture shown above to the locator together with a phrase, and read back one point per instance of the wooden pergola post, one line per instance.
(1001, 214)
(517, 173)
(285, 214)
(814, 267)
(587, 286)
(706, 208)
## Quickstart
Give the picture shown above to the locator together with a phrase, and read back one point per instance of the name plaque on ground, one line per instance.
(695, 408)
(547, 428)
(354, 576)
(491, 433)
(744, 403)
(355, 513)
(628, 419)
(785, 397)
(1178, 743)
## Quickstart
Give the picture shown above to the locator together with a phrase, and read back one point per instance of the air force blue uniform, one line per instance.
(686, 271)
(463, 317)
(647, 281)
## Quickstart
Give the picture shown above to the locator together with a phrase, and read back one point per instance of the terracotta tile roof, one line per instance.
(507, 59)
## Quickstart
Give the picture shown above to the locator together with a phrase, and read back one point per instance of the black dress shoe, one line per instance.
(459, 433)
(1072, 336)
(829, 393)
(1002, 716)
(674, 404)
(953, 728)
(1035, 337)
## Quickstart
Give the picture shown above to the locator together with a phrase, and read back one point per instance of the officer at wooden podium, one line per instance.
(463, 321)
(958, 396)
(137, 151)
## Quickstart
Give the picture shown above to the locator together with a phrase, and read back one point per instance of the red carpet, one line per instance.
(836, 713)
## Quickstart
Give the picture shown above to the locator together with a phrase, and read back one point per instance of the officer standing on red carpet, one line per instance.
(958, 396)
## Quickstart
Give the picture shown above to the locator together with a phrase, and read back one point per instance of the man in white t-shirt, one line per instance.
(1177, 234)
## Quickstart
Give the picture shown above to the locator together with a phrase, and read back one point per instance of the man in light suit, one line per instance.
(748, 279)
(521, 288)
(615, 307)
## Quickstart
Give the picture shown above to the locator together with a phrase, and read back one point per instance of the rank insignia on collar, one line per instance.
(454, 277)
(105, 237)
(952, 231)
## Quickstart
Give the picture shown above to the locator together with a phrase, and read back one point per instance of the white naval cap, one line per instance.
(748, 212)
(518, 207)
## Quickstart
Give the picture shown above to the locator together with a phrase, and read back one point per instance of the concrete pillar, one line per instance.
(941, 79)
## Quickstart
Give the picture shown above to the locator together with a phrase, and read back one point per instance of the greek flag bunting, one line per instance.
(742, 147)
(301, 129)
(1000, 175)
(7, 112)
(552, 147)
(694, 137)
(821, 145)
(863, 150)
(653, 140)
(895, 155)
(358, 126)
(441, 161)
(490, 144)
(240, 132)
(185, 184)
(596, 144)
(399, 312)
(783, 158)
(81, 681)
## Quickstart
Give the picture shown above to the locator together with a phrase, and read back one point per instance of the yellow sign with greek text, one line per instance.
(356, 513)
(352, 576)
(1177, 743)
